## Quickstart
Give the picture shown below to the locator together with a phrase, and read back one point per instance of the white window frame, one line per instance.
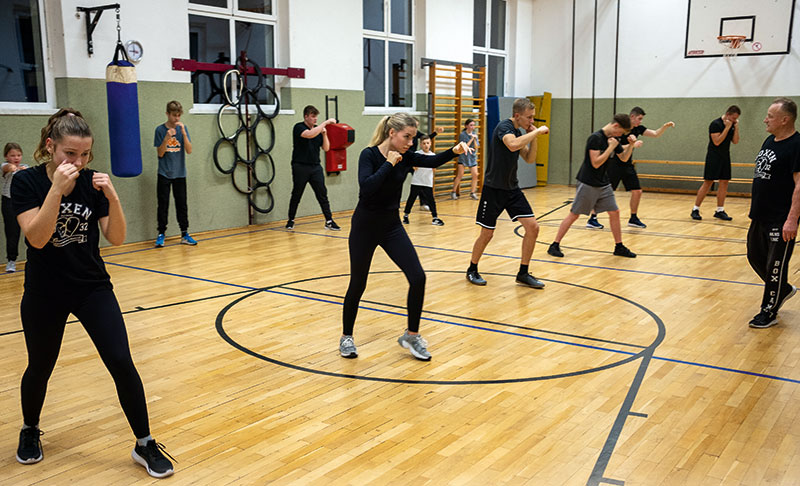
(489, 51)
(37, 108)
(232, 14)
(387, 36)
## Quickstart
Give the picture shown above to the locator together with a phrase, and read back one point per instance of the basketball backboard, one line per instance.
(766, 25)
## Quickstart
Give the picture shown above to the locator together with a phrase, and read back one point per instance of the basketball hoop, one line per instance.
(732, 43)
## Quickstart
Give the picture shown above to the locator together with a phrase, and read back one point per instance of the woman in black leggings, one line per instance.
(382, 169)
(59, 205)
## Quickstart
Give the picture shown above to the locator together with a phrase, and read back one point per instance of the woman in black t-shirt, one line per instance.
(59, 205)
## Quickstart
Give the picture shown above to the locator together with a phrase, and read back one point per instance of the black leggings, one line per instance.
(769, 256)
(303, 174)
(425, 193)
(43, 320)
(181, 208)
(368, 230)
(12, 230)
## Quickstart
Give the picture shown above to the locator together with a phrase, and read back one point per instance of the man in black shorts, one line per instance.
(775, 210)
(721, 132)
(501, 189)
(594, 193)
(619, 170)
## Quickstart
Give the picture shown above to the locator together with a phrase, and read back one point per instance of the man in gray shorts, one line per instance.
(594, 190)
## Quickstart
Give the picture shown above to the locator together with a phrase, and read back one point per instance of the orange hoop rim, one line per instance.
(733, 41)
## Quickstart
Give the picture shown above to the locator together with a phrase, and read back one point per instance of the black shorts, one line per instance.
(494, 201)
(625, 172)
(717, 170)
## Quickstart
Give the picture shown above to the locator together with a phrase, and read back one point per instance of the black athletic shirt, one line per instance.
(305, 150)
(623, 140)
(381, 184)
(71, 259)
(721, 152)
(773, 182)
(588, 174)
(501, 167)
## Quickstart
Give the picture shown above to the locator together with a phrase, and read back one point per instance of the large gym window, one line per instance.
(22, 69)
(219, 30)
(489, 43)
(388, 53)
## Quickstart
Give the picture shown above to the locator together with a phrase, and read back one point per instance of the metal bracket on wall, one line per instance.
(92, 24)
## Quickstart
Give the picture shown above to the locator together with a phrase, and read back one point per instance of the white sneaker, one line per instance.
(11, 266)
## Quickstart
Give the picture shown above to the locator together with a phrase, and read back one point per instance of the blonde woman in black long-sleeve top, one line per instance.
(382, 169)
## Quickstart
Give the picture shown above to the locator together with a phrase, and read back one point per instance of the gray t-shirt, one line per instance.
(173, 164)
(501, 168)
(467, 158)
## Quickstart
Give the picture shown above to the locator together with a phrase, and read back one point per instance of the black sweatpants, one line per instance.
(369, 230)
(12, 230)
(43, 320)
(303, 174)
(181, 209)
(769, 256)
(425, 193)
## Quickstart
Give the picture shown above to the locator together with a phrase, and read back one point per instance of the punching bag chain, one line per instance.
(119, 29)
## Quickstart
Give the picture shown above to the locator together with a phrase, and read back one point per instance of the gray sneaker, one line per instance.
(347, 347)
(415, 344)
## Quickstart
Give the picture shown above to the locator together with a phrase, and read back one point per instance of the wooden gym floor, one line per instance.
(621, 371)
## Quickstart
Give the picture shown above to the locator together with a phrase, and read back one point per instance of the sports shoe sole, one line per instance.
(139, 459)
(413, 351)
(32, 460)
(588, 226)
(476, 282)
(525, 284)
(348, 356)
(634, 225)
(769, 324)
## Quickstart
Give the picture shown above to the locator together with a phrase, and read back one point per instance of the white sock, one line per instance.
(696, 208)
(720, 208)
(143, 441)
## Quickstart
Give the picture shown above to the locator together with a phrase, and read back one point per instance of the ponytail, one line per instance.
(65, 122)
(398, 121)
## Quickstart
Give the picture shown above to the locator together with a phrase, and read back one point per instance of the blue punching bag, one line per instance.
(492, 114)
(123, 116)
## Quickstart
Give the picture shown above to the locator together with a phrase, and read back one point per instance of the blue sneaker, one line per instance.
(160, 240)
(187, 240)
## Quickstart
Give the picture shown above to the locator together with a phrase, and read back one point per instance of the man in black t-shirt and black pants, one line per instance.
(308, 139)
(721, 133)
(775, 210)
(501, 189)
(594, 193)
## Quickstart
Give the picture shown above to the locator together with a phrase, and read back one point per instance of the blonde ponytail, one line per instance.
(398, 121)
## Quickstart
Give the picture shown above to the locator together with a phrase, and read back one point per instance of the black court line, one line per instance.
(474, 319)
(143, 309)
(630, 356)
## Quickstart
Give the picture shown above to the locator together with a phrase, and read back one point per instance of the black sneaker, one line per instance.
(623, 251)
(289, 224)
(30, 446)
(529, 280)
(722, 215)
(331, 225)
(150, 456)
(787, 297)
(696, 214)
(592, 223)
(437, 222)
(405, 219)
(475, 278)
(555, 250)
(635, 222)
(764, 319)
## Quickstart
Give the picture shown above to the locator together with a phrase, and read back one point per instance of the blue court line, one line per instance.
(470, 326)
